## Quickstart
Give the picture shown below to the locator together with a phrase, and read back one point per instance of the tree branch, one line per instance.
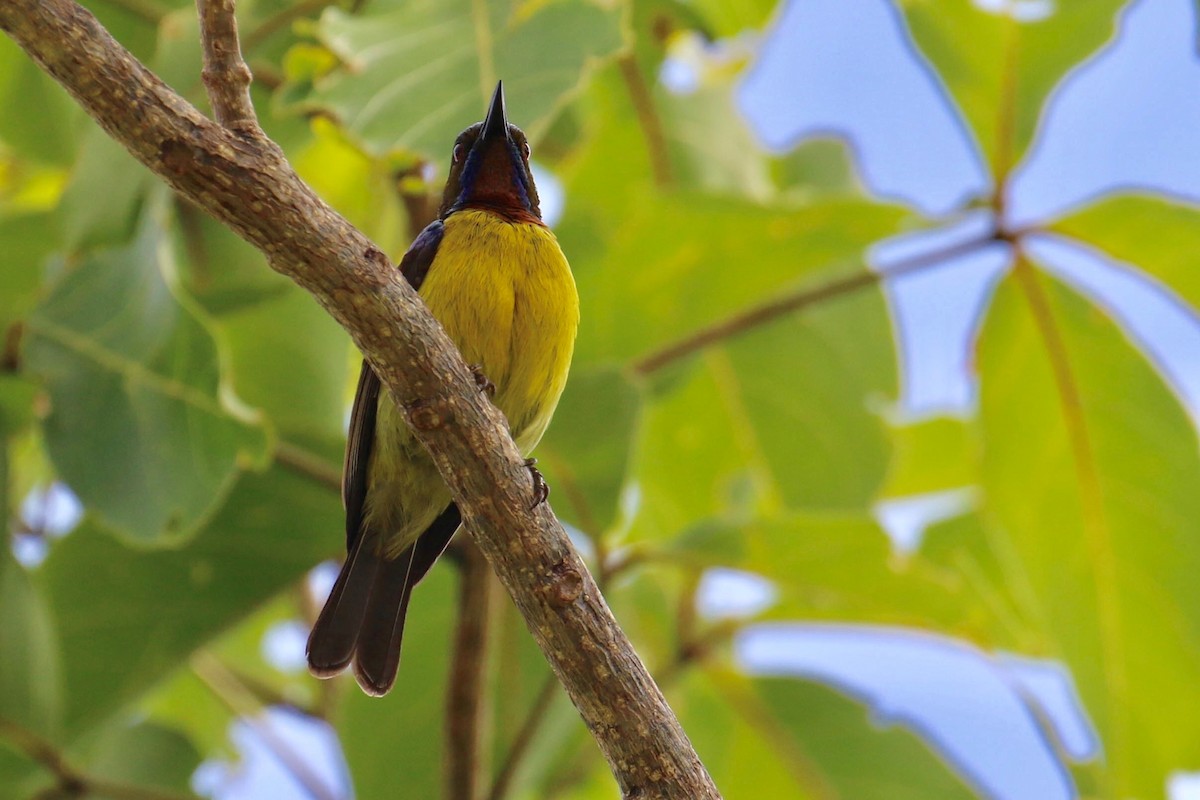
(465, 693)
(774, 309)
(243, 180)
(225, 74)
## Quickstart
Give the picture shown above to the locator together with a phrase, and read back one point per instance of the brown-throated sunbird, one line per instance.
(493, 275)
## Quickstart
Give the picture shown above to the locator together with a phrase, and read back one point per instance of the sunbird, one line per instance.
(494, 276)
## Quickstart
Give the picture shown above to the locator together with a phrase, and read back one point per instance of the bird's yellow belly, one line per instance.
(505, 295)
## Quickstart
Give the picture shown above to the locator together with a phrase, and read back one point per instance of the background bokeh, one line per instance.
(920, 519)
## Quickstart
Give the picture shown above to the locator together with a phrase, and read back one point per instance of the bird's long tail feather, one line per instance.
(363, 620)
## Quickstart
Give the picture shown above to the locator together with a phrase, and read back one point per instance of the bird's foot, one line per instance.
(482, 381)
(541, 490)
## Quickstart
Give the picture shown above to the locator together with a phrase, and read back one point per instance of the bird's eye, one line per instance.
(526, 148)
(459, 152)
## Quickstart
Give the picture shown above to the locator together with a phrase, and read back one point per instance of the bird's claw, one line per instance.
(541, 490)
(482, 381)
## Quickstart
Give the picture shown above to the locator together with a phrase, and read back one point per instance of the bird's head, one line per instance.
(489, 168)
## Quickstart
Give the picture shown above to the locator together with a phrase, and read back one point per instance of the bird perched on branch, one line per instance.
(493, 275)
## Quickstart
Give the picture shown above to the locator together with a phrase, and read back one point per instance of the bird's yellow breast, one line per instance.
(504, 293)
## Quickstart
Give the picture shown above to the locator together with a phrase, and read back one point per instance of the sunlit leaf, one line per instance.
(134, 385)
(852, 756)
(1090, 468)
(1000, 60)
(417, 73)
(1158, 235)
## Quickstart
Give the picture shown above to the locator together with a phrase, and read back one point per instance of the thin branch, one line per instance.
(774, 309)
(310, 465)
(465, 701)
(648, 119)
(241, 701)
(245, 182)
(226, 76)
(72, 782)
(524, 739)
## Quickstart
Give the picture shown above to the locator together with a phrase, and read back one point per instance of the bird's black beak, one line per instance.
(495, 125)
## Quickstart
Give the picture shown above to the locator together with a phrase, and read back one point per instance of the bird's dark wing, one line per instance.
(414, 266)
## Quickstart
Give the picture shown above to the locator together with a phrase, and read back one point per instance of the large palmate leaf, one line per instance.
(1000, 60)
(134, 383)
(1090, 469)
(416, 73)
(785, 414)
(126, 626)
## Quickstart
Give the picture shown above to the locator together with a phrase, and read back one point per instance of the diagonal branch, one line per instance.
(244, 181)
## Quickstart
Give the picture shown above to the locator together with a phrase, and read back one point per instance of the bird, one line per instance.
(492, 273)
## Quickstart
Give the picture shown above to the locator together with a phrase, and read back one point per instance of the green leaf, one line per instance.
(1158, 235)
(1000, 71)
(781, 416)
(26, 241)
(930, 456)
(724, 18)
(587, 448)
(40, 122)
(30, 686)
(745, 759)
(123, 628)
(417, 73)
(1090, 468)
(103, 202)
(853, 756)
(809, 385)
(134, 386)
(842, 567)
(144, 755)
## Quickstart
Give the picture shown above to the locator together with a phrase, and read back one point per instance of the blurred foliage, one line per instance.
(195, 402)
